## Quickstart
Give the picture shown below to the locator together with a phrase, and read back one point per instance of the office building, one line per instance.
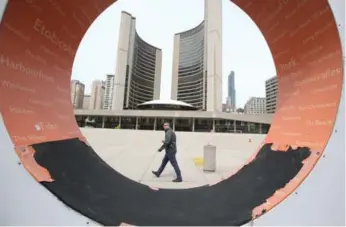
(86, 102)
(197, 61)
(77, 94)
(97, 95)
(271, 94)
(138, 68)
(255, 105)
(231, 98)
(109, 92)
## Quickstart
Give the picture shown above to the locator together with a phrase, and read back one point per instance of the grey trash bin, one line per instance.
(209, 156)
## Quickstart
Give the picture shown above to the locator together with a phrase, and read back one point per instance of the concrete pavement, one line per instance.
(134, 154)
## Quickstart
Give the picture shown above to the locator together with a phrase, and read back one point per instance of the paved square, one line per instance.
(134, 154)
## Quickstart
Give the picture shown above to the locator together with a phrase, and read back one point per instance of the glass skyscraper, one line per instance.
(231, 98)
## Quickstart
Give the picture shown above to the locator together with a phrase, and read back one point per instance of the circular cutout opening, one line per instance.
(308, 57)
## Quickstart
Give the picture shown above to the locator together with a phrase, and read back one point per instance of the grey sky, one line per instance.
(244, 49)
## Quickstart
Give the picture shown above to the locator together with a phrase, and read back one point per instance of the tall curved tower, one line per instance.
(138, 69)
(197, 61)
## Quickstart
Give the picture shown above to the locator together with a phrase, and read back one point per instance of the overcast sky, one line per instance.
(244, 49)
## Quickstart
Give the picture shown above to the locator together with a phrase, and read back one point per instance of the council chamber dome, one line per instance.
(165, 105)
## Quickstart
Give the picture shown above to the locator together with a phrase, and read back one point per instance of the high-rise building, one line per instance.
(86, 102)
(255, 105)
(138, 69)
(109, 92)
(77, 94)
(197, 61)
(97, 95)
(231, 96)
(271, 94)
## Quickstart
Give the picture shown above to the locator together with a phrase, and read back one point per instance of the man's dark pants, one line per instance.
(170, 157)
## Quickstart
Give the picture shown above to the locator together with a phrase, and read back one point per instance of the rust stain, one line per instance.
(26, 155)
(282, 193)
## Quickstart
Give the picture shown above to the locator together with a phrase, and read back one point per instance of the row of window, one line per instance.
(192, 47)
(190, 85)
(191, 73)
(193, 31)
(196, 92)
(138, 81)
(196, 97)
(179, 124)
(144, 73)
(145, 55)
(187, 80)
(144, 45)
(195, 67)
(151, 61)
(139, 94)
(196, 103)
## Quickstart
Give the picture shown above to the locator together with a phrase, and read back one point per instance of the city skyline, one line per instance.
(105, 92)
(237, 45)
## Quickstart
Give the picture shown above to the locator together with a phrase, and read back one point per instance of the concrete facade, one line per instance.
(271, 94)
(138, 68)
(213, 29)
(97, 95)
(77, 94)
(197, 61)
(109, 92)
(255, 105)
(175, 67)
(86, 102)
(158, 70)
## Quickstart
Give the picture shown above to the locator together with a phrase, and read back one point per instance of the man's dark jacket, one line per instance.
(170, 142)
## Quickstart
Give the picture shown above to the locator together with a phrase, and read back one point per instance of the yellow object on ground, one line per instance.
(198, 161)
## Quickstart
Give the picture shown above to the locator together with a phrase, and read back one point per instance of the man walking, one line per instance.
(170, 146)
